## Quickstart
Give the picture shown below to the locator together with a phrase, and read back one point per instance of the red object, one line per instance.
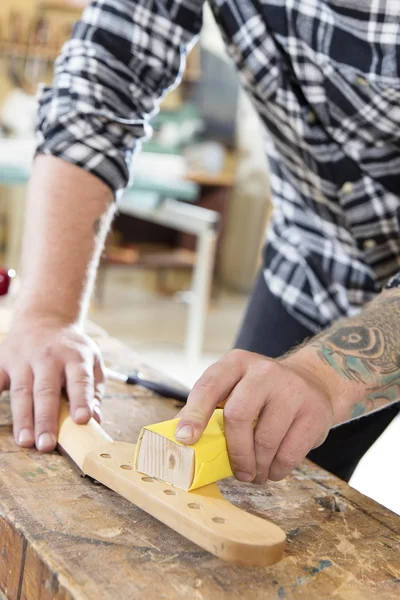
(5, 278)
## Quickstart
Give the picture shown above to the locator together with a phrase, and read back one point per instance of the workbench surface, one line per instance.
(63, 536)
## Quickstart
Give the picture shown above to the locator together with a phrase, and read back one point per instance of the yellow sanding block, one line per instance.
(159, 455)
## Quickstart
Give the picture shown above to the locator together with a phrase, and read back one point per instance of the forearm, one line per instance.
(358, 359)
(68, 215)
(110, 78)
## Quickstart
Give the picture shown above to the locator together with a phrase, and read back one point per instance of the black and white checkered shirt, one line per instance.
(324, 76)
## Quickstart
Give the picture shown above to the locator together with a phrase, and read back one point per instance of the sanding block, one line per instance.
(160, 455)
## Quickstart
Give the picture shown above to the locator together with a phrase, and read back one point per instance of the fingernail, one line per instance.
(242, 476)
(45, 442)
(82, 415)
(25, 436)
(184, 433)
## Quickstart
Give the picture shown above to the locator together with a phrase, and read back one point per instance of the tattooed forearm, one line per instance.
(366, 349)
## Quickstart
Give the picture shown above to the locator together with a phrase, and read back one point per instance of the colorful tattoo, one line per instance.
(366, 349)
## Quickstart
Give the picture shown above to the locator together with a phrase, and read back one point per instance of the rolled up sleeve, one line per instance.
(109, 80)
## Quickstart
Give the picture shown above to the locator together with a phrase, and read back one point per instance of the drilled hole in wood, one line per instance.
(126, 467)
(170, 492)
(194, 505)
(105, 455)
(147, 479)
(219, 520)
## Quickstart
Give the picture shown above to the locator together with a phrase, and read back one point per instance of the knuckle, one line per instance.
(238, 458)
(237, 358)
(194, 416)
(266, 367)
(241, 463)
(79, 354)
(236, 354)
(21, 389)
(206, 383)
(84, 378)
(288, 460)
(99, 392)
(43, 423)
(81, 374)
(311, 414)
(83, 381)
(46, 352)
(45, 389)
(265, 441)
(235, 413)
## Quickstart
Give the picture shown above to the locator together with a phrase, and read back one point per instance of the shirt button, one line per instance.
(354, 148)
(311, 117)
(347, 187)
(362, 81)
(369, 244)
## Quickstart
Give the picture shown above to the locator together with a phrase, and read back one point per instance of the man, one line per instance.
(324, 77)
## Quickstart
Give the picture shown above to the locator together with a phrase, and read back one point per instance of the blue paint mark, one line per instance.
(310, 573)
(293, 533)
(322, 565)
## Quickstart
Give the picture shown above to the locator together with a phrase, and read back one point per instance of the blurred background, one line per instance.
(185, 246)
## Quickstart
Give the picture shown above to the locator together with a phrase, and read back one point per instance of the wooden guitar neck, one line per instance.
(203, 516)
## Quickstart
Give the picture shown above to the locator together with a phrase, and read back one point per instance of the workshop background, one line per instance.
(185, 246)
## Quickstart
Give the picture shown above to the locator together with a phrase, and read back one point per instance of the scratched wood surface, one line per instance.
(64, 537)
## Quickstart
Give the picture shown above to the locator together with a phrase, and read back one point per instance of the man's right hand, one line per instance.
(40, 356)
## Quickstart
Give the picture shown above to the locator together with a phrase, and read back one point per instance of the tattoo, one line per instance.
(358, 410)
(97, 226)
(366, 349)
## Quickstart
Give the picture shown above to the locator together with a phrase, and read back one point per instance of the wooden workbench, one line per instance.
(63, 537)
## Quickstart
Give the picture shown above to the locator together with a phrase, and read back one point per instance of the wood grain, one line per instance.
(164, 459)
(84, 542)
(204, 516)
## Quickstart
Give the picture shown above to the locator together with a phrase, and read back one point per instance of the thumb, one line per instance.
(192, 424)
(213, 387)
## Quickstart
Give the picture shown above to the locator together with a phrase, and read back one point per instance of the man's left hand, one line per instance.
(291, 407)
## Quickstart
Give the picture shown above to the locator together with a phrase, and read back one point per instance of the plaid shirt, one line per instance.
(324, 76)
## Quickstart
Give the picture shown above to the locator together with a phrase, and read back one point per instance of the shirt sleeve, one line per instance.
(109, 80)
(394, 282)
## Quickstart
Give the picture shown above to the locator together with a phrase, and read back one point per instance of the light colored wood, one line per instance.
(188, 468)
(76, 440)
(204, 516)
(163, 459)
(64, 537)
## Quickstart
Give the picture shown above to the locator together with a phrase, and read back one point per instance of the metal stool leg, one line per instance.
(201, 286)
